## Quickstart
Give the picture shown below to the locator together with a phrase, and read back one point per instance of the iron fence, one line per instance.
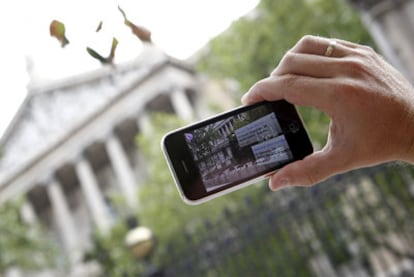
(356, 224)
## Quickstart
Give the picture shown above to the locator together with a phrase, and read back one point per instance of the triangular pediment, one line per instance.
(51, 111)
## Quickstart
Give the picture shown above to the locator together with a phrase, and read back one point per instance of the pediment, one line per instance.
(52, 111)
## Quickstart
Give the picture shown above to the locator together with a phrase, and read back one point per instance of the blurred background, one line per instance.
(89, 89)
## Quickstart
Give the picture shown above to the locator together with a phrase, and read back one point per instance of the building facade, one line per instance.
(72, 145)
(391, 25)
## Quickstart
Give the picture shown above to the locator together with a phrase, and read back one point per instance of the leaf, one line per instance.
(141, 32)
(99, 26)
(95, 55)
(123, 13)
(113, 49)
(57, 30)
(99, 57)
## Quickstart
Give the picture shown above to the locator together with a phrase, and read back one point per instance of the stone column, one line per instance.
(144, 123)
(93, 195)
(64, 219)
(122, 168)
(28, 213)
(145, 128)
(182, 105)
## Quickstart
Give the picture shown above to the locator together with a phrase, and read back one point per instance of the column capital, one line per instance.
(47, 179)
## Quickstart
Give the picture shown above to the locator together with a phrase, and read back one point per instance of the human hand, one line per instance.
(371, 106)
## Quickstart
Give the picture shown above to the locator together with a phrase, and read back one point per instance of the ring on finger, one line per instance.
(330, 48)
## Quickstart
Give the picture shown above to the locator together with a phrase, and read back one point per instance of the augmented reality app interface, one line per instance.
(238, 147)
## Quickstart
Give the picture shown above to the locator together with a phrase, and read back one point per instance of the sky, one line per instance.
(179, 27)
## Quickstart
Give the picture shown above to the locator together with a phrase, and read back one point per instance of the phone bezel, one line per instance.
(189, 182)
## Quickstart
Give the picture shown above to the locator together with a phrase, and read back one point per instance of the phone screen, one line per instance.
(233, 148)
(238, 147)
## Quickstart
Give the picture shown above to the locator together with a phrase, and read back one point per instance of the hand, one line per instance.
(371, 106)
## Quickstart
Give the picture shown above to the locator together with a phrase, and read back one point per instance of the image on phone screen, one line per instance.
(238, 147)
(234, 149)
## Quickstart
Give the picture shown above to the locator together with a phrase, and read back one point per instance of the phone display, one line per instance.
(234, 149)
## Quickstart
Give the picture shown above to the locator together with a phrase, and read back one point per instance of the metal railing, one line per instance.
(355, 224)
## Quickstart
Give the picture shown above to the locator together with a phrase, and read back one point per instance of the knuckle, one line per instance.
(347, 90)
(356, 66)
(289, 57)
(367, 54)
(306, 39)
(288, 80)
(305, 42)
(368, 50)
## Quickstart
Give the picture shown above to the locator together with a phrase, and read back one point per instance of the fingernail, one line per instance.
(284, 182)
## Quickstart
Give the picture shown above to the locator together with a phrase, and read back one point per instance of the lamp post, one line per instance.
(141, 242)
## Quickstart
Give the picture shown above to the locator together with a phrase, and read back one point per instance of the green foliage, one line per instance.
(252, 47)
(112, 254)
(22, 245)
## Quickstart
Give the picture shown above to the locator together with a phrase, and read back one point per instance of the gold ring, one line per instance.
(330, 48)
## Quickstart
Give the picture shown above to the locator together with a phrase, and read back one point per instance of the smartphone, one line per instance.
(234, 149)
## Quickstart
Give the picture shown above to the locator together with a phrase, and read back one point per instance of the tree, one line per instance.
(251, 48)
(22, 246)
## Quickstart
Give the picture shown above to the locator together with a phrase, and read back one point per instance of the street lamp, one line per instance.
(141, 243)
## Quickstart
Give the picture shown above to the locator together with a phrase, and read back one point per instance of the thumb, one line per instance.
(309, 171)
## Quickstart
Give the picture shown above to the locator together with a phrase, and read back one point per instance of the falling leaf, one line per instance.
(96, 55)
(57, 30)
(123, 13)
(99, 27)
(99, 57)
(141, 32)
(113, 48)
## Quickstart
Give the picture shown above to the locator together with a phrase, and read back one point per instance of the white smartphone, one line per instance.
(234, 149)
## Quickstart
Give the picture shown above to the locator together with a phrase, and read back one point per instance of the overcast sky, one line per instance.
(179, 27)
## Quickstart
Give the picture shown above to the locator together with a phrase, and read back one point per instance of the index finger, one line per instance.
(296, 89)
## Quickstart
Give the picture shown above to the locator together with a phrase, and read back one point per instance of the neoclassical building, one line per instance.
(72, 143)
